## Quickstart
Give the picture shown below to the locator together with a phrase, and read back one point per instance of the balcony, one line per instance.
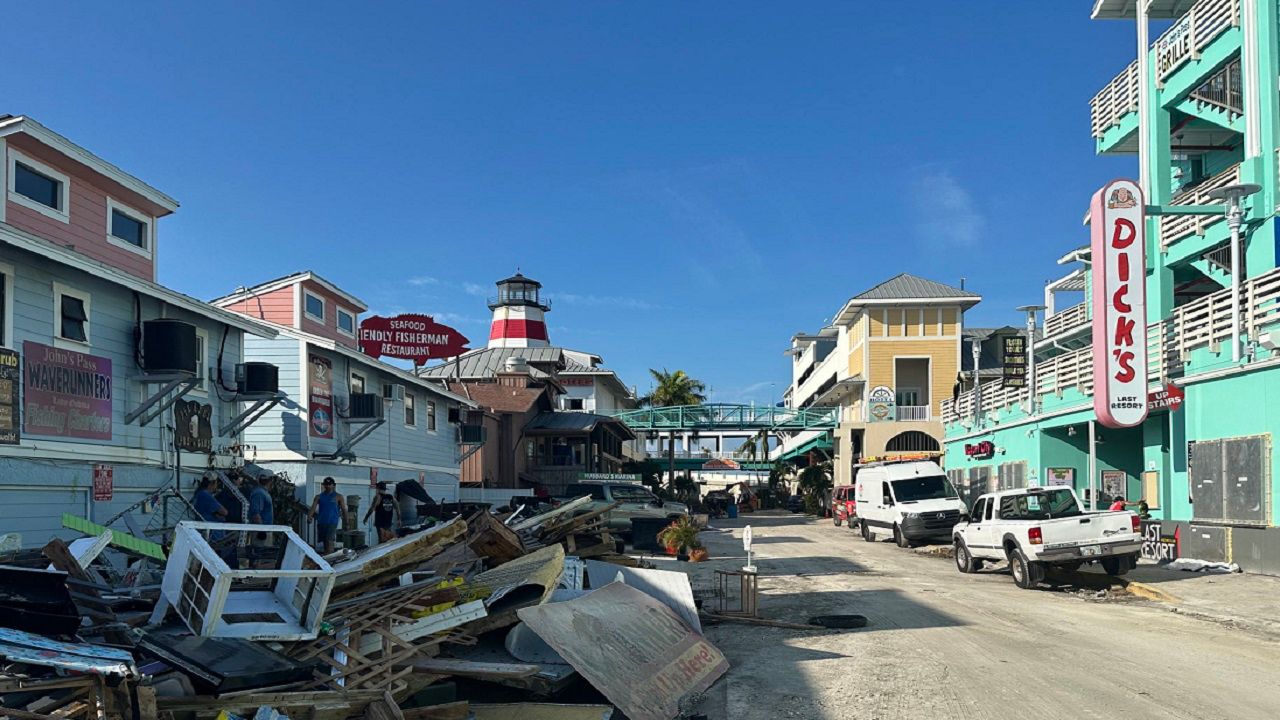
(1202, 324)
(1065, 321)
(1177, 227)
(1183, 41)
(913, 413)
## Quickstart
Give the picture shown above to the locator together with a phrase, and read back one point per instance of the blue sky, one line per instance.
(692, 182)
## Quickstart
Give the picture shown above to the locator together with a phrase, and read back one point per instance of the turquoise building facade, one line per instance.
(1201, 112)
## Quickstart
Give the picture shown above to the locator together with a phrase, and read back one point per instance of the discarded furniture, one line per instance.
(215, 600)
(737, 593)
(224, 665)
(36, 601)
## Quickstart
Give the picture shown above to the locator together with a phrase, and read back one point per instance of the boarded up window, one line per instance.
(1151, 488)
(1230, 479)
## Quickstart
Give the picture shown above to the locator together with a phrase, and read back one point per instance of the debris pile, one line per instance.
(482, 616)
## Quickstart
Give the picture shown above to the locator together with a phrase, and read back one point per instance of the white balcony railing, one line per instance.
(1180, 42)
(1202, 323)
(1176, 227)
(1067, 320)
(913, 413)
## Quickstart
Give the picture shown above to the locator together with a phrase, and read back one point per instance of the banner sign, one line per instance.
(410, 337)
(193, 429)
(65, 393)
(1015, 361)
(615, 477)
(320, 408)
(881, 404)
(104, 480)
(10, 413)
(1170, 398)
(1117, 223)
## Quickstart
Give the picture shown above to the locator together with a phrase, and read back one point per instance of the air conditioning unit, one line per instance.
(455, 414)
(169, 347)
(392, 391)
(364, 406)
(257, 377)
(471, 434)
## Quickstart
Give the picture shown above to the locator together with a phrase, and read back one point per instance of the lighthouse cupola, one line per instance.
(518, 314)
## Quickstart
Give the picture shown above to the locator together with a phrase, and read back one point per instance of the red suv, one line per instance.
(844, 509)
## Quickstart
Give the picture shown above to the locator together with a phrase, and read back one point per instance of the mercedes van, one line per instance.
(913, 501)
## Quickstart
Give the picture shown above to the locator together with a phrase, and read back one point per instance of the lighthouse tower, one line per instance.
(518, 314)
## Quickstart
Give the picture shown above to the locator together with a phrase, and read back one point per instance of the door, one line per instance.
(978, 534)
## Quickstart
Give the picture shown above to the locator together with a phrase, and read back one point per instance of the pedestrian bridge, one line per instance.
(723, 416)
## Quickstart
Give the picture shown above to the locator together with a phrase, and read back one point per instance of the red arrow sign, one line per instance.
(411, 337)
(1170, 398)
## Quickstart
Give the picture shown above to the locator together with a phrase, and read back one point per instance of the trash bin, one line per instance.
(733, 510)
(644, 533)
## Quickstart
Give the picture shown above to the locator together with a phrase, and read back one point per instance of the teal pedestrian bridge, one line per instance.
(723, 416)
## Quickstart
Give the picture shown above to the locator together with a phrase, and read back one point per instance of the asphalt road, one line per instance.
(944, 645)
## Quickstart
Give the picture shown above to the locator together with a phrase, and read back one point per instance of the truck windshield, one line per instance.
(1039, 506)
(631, 493)
(929, 487)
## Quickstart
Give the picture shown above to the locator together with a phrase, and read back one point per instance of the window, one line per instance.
(202, 358)
(346, 322)
(431, 415)
(71, 316)
(410, 412)
(6, 306)
(573, 403)
(357, 383)
(314, 306)
(128, 228)
(37, 186)
(978, 508)
(1039, 505)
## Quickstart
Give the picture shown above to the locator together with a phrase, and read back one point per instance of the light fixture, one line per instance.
(1233, 194)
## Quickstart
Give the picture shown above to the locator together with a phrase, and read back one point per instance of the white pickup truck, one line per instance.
(1034, 528)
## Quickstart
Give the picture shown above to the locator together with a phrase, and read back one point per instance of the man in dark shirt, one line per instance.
(386, 514)
(206, 505)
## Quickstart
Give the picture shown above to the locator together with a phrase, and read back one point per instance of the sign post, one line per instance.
(1117, 225)
(746, 545)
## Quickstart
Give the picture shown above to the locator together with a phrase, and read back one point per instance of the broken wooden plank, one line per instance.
(488, 537)
(477, 670)
(449, 711)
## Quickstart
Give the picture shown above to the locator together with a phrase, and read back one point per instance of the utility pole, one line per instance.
(1031, 311)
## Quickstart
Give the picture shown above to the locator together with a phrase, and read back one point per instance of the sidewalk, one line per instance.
(1242, 600)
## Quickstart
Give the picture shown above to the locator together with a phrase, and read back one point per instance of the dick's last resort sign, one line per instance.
(1117, 222)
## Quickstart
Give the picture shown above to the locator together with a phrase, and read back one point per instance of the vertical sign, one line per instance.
(1015, 361)
(1117, 225)
(10, 381)
(104, 478)
(373, 476)
(320, 410)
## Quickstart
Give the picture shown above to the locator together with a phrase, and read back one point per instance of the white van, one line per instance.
(912, 500)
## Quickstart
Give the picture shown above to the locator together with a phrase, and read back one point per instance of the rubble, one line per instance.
(227, 621)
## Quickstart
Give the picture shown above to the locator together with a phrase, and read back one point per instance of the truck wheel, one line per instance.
(1026, 574)
(1117, 565)
(866, 532)
(964, 561)
(899, 538)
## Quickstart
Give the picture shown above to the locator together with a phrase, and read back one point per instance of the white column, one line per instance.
(1249, 79)
(1093, 467)
(1144, 103)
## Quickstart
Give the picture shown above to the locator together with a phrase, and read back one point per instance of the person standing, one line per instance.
(386, 513)
(206, 505)
(261, 509)
(327, 509)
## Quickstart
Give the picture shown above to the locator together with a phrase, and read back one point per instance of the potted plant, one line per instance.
(679, 538)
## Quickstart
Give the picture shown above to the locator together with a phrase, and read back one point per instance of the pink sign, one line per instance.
(104, 483)
(65, 393)
(1117, 224)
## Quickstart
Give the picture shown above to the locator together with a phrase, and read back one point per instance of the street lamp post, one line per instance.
(976, 348)
(1233, 194)
(1031, 311)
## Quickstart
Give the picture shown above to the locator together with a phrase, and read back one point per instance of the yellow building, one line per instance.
(889, 358)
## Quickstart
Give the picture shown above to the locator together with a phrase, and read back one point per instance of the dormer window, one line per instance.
(346, 323)
(34, 185)
(128, 228)
(313, 305)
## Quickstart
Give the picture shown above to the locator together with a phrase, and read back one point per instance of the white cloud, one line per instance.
(945, 214)
(628, 303)
(476, 289)
(423, 280)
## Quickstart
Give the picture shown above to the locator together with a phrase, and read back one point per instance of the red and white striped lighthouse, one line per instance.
(518, 314)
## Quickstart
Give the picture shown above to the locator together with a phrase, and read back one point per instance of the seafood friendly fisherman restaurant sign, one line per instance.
(65, 393)
(410, 337)
(1117, 225)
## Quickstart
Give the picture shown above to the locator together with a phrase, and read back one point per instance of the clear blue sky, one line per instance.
(692, 182)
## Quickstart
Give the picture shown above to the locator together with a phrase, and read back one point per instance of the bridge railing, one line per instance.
(725, 416)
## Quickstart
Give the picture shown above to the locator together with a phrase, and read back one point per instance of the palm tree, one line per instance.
(813, 482)
(672, 389)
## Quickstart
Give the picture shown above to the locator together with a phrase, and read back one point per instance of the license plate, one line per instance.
(1091, 550)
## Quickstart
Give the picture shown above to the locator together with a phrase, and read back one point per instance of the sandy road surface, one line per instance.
(945, 645)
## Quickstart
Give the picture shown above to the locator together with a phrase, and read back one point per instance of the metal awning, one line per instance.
(1128, 9)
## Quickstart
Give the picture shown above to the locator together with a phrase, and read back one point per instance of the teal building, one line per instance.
(1199, 108)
